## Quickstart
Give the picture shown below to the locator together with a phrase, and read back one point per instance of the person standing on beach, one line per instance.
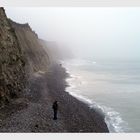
(55, 108)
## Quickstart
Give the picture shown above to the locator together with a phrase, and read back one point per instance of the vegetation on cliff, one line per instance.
(12, 62)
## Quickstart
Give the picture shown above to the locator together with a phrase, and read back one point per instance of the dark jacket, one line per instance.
(55, 106)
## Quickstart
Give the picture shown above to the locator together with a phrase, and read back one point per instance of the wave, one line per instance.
(113, 118)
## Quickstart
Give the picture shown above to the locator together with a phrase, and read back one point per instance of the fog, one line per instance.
(98, 33)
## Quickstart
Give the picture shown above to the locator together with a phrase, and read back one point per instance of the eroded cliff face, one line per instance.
(37, 58)
(21, 55)
(12, 62)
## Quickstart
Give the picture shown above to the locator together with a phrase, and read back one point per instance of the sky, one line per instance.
(90, 32)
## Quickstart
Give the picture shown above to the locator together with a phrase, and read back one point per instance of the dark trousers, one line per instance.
(55, 114)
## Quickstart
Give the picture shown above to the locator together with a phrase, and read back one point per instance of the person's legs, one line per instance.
(55, 115)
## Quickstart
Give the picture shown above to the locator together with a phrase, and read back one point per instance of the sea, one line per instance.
(112, 87)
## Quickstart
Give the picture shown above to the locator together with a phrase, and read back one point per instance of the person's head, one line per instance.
(55, 102)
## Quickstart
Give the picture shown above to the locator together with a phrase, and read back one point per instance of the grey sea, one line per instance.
(112, 87)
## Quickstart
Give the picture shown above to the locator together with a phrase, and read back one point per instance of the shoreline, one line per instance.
(79, 116)
(86, 100)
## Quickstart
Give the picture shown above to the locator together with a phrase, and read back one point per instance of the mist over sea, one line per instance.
(112, 87)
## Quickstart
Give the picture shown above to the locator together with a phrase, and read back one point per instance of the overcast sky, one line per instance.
(91, 32)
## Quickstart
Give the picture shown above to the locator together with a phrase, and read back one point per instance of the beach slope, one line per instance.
(33, 112)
